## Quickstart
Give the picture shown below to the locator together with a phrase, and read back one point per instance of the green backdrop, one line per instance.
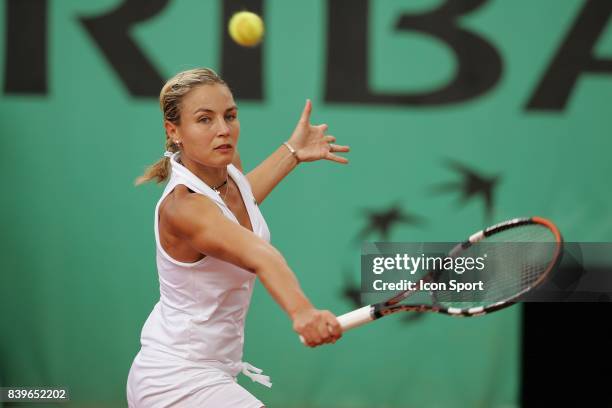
(78, 272)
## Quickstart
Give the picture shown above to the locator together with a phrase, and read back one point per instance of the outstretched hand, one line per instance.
(311, 143)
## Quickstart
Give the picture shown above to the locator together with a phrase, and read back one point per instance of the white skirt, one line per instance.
(158, 383)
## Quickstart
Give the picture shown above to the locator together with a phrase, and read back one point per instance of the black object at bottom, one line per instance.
(566, 355)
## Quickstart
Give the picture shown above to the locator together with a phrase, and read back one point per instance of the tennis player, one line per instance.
(212, 242)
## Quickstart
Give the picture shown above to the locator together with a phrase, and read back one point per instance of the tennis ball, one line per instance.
(246, 28)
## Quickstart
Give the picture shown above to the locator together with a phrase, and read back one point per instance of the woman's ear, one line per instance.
(170, 131)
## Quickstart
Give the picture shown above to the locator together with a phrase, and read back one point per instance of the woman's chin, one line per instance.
(216, 159)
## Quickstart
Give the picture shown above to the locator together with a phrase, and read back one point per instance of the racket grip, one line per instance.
(356, 318)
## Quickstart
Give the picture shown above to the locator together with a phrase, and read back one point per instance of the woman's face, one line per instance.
(209, 126)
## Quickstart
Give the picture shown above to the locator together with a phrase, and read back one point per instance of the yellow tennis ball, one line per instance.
(246, 28)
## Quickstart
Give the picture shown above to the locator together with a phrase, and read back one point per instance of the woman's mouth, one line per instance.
(224, 147)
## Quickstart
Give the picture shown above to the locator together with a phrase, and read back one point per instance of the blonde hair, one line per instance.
(170, 98)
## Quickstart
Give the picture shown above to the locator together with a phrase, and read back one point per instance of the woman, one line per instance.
(212, 241)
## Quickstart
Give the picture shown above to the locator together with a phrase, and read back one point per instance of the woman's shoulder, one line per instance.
(182, 206)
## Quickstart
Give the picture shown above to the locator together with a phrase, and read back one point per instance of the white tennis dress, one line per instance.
(191, 344)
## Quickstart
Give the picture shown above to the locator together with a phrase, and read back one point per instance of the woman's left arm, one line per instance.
(309, 142)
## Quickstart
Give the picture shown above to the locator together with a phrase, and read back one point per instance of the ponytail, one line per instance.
(159, 171)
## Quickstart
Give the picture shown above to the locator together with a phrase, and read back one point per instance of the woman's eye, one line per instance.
(204, 119)
(230, 117)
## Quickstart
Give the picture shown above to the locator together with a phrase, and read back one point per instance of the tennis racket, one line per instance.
(521, 253)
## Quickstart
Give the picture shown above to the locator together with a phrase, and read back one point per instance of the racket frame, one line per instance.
(372, 312)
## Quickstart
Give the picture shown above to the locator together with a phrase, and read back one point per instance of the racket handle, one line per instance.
(356, 318)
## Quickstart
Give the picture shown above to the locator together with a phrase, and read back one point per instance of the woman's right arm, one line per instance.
(199, 221)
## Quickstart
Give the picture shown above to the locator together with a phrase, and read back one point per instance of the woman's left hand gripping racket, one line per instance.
(521, 253)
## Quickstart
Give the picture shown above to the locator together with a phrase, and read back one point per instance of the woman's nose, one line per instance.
(222, 128)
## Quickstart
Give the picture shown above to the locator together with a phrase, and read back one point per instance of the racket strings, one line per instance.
(514, 260)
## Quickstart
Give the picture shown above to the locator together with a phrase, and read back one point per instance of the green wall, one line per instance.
(78, 272)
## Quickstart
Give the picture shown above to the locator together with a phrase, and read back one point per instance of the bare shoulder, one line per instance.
(187, 212)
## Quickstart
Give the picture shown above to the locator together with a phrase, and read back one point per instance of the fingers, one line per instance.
(305, 118)
(337, 159)
(333, 326)
(334, 148)
(328, 328)
(307, 325)
(329, 139)
(313, 337)
(319, 328)
(339, 148)
(309, 333)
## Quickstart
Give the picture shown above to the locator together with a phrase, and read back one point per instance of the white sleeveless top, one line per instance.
(203, 305)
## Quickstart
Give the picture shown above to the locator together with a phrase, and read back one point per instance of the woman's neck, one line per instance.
(214, 177)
